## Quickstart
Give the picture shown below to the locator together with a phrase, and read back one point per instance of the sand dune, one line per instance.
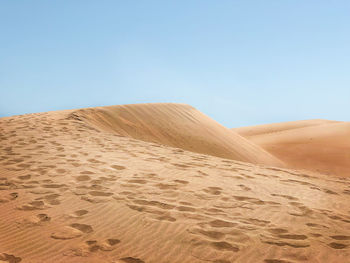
(73, 191)
(176, 125)
(279, 127)
(318, 145)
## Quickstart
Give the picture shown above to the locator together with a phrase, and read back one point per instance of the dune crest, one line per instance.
(279, 127)
(316, 145)
(176, 125)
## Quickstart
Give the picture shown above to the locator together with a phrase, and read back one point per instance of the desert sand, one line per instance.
(317, 145)
(157, 183)
(176, 125)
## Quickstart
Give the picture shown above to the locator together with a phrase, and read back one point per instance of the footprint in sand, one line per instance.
(82, 227)
(277, 231)
(303, 210)
(41, 191)
(129, 260)
(66, 233)
(34, 205)
(181, 181)
(95, 199)
(24, 177)
(9, 258)
(82, 178)
(100, 193)
(286, 197)
(220, 223)
(213, 190)
(43, 217)
(167, 186)
(60, 171)
(279, 243)
(243, 187)
(294, 237)
(166, 218)
(107, 245)
(186, 209)
(118, 167)
(9, 197)
(81, 212)
(223, 245)
(336, 245)
(35, 220)
(137, 181)
(276, 261)
(7, 185)
(52, 199)
(53, 185)
(86, 173)
(72, 231)
(249, 199)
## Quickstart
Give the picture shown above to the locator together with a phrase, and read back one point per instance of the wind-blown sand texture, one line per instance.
(318, 145)
(176, 125)
(74, 192)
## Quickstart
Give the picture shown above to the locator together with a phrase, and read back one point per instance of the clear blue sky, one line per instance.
(240, 62)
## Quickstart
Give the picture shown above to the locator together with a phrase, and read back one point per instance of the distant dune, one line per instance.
(278, 127)
(176, 125)
(316, 145)
(85, 186)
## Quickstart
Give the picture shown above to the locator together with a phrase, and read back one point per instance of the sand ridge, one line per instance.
(317, 145)
(263, 129)
(70, 192)
(176, 125)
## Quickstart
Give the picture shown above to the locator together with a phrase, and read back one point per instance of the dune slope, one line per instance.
(317, 145)
(176, 125)
(70, 193)
(279, 127)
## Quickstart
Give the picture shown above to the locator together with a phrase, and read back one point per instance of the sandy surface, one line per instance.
(176, 125)
(72, 191)
(317, 145)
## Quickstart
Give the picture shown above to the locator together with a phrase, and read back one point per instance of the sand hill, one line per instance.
(318, 145)
(251, 131)
(75, 189)
(176, 125)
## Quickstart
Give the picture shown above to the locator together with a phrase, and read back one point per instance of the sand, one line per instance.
(72, 190)
(317, 145)
(176, 125)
